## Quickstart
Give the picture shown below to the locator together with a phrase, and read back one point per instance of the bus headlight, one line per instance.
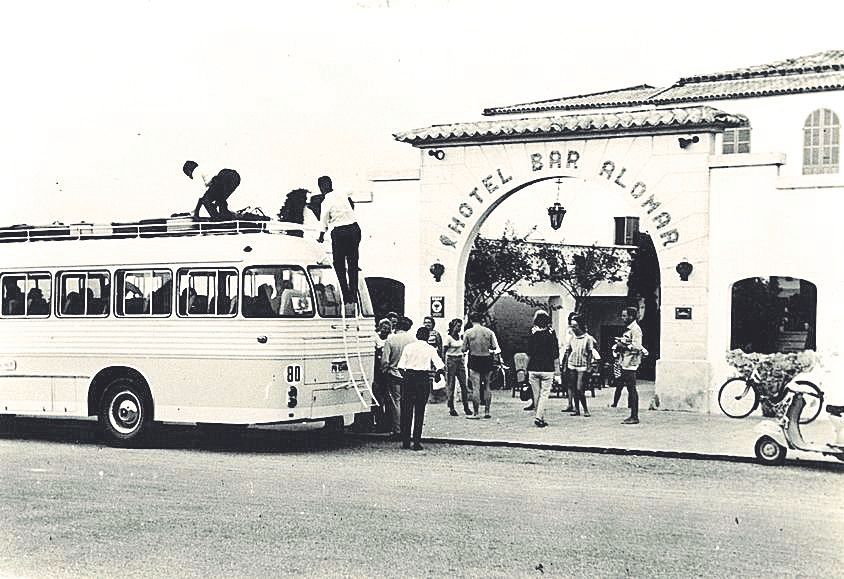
(292, 394)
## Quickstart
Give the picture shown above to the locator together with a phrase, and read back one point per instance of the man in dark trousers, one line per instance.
(215, 199)
(338, 217)
(394, 346)
(419, 362)
(631, 350)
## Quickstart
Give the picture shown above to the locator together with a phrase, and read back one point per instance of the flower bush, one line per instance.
(771, 371)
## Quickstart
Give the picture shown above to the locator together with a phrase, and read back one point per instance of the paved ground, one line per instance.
(685, 433)
(304, 504)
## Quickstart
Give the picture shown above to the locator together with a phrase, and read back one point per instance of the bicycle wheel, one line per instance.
(813, 403)
(737, 398)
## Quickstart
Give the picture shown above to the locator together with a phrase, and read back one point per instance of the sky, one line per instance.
(104, 101)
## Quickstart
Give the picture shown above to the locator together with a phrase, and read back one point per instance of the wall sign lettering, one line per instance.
(568, 161)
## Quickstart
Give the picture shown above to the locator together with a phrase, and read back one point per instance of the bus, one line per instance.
(178, 321)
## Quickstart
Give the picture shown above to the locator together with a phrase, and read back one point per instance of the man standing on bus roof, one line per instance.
(338, 218)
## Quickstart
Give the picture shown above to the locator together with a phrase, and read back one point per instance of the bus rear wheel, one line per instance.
(125, 412)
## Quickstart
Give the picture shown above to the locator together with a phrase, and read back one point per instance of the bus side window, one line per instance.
(204, 292)
(13, 298)
(143, 292)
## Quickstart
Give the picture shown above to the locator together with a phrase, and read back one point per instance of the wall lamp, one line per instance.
(437, 154)
(685, 142)
(684, 269)
(437, 270)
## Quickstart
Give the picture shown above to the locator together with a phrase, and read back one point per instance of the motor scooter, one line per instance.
(783, 432)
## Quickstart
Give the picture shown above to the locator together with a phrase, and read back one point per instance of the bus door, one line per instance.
(281, 296)
(24, 386)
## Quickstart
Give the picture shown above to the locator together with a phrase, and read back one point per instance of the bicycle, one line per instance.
(739, 397)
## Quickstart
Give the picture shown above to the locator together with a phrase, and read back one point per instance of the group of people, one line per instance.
(406, 368)
(16, 304)
(407, 365)
(327, 212)
(333, 213)
(580, 352)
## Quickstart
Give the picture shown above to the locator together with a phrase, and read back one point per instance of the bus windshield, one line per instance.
(328, 294)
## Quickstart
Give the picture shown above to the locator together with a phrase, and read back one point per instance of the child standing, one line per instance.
(581, 352)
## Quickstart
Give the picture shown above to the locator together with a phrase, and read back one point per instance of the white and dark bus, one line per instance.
(179, 322)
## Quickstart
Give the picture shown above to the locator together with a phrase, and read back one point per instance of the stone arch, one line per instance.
(667, 187)
(470, 236)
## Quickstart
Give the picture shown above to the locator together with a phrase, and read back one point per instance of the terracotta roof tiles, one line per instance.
(822, 71)
(598, 122)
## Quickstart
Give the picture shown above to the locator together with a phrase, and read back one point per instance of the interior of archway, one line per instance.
(590, 219)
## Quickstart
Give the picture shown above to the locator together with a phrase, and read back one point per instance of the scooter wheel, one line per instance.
(769, 451)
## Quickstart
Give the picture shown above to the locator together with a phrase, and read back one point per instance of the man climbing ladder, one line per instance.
(338, 218)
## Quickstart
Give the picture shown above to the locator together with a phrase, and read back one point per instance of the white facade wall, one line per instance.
(739, 216)
(776, 123)
(389, 244)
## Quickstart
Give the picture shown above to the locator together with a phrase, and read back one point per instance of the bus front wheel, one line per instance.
(125, 415)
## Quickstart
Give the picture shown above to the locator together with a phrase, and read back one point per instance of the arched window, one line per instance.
(820, 142)
(773, 314)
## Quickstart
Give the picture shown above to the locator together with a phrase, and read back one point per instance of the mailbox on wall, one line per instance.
(437, 306)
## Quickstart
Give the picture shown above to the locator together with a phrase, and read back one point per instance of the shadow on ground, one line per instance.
(206, 437)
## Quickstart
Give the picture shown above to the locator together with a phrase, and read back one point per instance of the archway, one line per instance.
(618, 267)
(664, 185)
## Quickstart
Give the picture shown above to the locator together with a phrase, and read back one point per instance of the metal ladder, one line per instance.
(357, 376)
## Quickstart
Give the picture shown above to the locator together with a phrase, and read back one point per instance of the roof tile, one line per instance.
(813, 73)
(697, 116)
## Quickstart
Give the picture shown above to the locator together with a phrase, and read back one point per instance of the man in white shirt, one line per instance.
(338, 218)
(419, 361)
(394, 346)
(630, 345)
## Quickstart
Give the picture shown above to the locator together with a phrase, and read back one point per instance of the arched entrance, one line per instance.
(518, 263)
(664, 185)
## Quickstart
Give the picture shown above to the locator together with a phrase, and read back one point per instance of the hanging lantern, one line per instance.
(556, 212)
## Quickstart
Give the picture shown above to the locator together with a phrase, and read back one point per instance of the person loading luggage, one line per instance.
(338, 217)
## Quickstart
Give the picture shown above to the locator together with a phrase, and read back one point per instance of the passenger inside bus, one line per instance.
(281, 285)
(13, 299)
(262, 306)
(73, 304)
(187, 301)
(36, 305)
(96, 306)
(161, 298)
(219, 306)
(326, 295)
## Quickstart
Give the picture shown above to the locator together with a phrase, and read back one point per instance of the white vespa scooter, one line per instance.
(783, 432)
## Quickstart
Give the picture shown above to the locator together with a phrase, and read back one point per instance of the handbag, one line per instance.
(525, 392)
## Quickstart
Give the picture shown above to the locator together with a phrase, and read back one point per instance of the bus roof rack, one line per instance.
(175, 226)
